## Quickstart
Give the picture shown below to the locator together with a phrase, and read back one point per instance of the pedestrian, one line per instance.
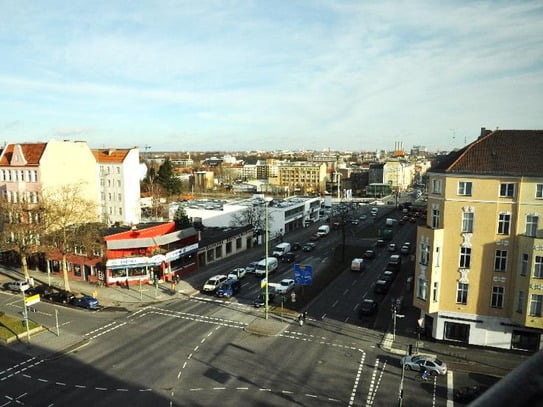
(127, 285)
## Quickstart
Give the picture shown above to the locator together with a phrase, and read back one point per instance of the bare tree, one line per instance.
(254, 215)
(20, 229)
(66, 211)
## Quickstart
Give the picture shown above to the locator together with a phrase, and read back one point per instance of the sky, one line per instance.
(269, 75)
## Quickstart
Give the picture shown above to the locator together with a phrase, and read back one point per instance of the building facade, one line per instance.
(118, 174)
(479, 257)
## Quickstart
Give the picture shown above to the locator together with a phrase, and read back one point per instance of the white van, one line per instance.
(260, 269)
(323, 230)
(281, 249)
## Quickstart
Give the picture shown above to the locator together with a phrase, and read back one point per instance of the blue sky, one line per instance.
(270, 74)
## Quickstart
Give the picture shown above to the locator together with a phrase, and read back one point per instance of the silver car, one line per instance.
(420, 362)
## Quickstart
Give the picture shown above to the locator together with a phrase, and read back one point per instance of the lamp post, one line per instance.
(266, 310)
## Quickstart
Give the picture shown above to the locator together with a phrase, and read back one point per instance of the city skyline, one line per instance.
(238, 76)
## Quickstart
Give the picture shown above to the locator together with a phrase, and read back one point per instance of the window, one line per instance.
(538, 267)
(535, 305)
(464, 188)
(436, 186)
(507, 190)
(504, 223)
(500, 261)
(524, 264)
(531, 225)
(539, 191)
(424, 254)
(467, 222)
(465, 257)
(435, 292)
(462, 293)
(435, 217)
(520, 301)
(497, 297)
(422, 289)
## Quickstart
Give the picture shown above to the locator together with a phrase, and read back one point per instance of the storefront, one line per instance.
(156, 253)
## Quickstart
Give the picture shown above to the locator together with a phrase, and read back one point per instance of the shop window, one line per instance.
(228, 247)
(238, 243)
(457, 332)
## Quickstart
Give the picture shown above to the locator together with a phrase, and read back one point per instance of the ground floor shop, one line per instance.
(480, 330)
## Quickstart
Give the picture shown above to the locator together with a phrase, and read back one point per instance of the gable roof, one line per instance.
(501, 152)
(32, 153)
(110, 156)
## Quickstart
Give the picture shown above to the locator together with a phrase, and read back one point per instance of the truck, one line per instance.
(323, 230)
(281, 249)
(357, 264)
(272, 262)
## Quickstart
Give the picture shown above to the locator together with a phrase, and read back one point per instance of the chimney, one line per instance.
(484, 132)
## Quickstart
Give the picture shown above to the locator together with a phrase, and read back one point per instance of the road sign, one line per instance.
(33, 299)
(303, 274)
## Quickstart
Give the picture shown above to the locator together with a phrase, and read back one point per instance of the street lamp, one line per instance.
(267, 238)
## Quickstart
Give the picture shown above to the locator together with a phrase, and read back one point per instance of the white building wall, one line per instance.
(131, 173)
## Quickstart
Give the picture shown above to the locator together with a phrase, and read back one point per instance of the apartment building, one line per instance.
(118, 173)
(301, 177)
(479, 258)
(28, 169)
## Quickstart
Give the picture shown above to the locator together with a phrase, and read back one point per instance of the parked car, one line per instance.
(314, 237)
(237, 274)
(392, 247)
(18, 285)
(288, 257)
(354, 221)
(86, 301)
(228, 288)
(40, 289)
(367, 307)
(363, 217)
(417, 362)
(308, 246)
(62, 297)
(394, 262)
(213, 283)
(296, 246)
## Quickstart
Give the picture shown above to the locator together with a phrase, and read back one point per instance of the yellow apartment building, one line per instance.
(479, 258)
(301, 177)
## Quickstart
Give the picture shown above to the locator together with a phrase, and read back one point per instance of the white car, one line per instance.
(18, 286)
(420, 362)
(285, 286)
(238, 273)
(213, 283)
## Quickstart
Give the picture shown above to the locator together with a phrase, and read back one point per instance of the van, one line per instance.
(357, 264)
(281, 249)
(272, 262)
(323, 230)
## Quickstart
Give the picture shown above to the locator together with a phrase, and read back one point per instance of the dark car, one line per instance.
(367, 307)
(381, 286)
(369, 254)
(314, 237)
(40, 289)
(380, 243)
(288, 257)
(387, 275)
(261, 299)
(295, 246)
(229, 288)
(86, 301)
(309, 246)
(63, 297)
